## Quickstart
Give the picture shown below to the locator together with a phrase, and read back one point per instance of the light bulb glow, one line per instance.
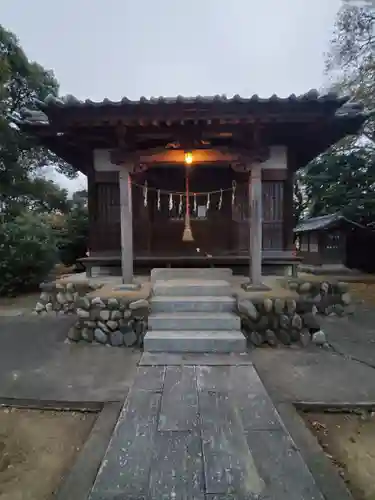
(188, 158)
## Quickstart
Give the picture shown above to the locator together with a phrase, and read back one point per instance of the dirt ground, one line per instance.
(363, 291)
(37, 448)
(348, 439)
(24, 303)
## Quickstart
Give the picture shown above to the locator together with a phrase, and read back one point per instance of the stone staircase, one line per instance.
(193, 314)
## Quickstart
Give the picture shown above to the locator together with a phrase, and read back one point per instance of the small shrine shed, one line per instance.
(333, 242)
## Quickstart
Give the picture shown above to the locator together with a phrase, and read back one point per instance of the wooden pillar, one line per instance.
(92, 205)
(126, 218)
(288, 212)
(255, 226)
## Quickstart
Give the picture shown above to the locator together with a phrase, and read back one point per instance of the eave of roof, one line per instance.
(331, 103)
(325, 222)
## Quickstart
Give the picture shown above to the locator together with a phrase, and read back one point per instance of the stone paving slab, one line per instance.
(198, 433)
(168, 358)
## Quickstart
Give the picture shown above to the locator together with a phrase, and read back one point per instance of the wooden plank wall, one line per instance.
(272, 216)
(159, 232)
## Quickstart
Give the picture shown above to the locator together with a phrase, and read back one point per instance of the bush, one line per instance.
(27, 253)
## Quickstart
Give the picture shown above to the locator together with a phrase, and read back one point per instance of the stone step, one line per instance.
(204, 273)
(161, 304)
(195, 341)
(194, 321)
(192, 288)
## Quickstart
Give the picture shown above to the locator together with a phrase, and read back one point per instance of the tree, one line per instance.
(27, 253)
(21, 159)
(351, 58)
(343, 178)
(342, 181)
(72, 230)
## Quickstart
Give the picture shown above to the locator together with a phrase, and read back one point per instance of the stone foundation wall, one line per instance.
(115, 321)
(122, 321)
(60, 298)
(274, 321)
(329, 298)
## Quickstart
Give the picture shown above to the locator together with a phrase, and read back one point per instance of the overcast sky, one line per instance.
(116, 48)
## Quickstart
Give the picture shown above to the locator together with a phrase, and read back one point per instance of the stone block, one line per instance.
(183, 288)
(198, 341)
(194, 321)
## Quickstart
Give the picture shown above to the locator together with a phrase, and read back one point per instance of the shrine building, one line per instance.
(191, 182)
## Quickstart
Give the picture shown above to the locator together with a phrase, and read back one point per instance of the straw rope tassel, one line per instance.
(188, 235)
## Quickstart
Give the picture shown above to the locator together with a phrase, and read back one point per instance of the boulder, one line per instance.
(112, 303)
(100, 336)
(74, 333)
(284, 337)
(116, 315)
(262, 324)
(284, 321)
(49, 307)
(83, 303)
(139, 304)
(271, 338)
(130, 338)
(256, 338)
(297, 322)
(267, 305)
(116, 338)
(88, 334)
(246, 307)
(44, 297)
(319, 338)
(346, 298)
(279, 305)
(60, 297)
(104, 314)
(291, 306)
(97, 301)
(39, 307)
(112, 325)
(305, 337)
(82, 313)
(103, 326)
(311, 322)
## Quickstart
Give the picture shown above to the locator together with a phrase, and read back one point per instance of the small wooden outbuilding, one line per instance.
(335, 242)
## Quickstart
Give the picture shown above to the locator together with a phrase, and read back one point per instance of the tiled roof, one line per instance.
(323, 222)
(340, 105)
(311, 95)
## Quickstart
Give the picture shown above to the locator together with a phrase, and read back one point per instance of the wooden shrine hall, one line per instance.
(199, 181)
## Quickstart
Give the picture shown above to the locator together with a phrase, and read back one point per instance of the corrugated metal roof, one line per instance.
(340, 105)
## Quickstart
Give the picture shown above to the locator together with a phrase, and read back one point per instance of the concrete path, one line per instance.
(353, 336)
(201, 432)
(37, 363)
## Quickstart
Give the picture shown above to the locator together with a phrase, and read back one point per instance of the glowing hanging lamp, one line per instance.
(187, 235)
